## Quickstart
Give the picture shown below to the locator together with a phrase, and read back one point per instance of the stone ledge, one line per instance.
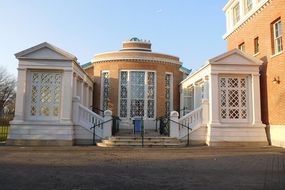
(51, 142)
(238, 144)
(84, 141)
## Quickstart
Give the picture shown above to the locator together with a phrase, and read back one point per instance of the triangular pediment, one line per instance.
(235, 56)
(45, 51)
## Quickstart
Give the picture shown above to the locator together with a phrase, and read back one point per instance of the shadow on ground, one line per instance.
(189, 168)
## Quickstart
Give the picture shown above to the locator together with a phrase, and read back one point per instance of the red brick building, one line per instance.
(136, 82)
(257, 28)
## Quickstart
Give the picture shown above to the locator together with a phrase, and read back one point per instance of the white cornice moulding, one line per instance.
(137, 58)
(245, 18)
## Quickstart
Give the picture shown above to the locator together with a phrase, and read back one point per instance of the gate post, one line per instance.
(174, 125)
(107, 127)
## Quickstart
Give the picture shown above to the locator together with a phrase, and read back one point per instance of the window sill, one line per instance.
(275, 55)
(256, 54)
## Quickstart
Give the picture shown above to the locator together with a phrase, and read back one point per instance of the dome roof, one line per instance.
(135, 39)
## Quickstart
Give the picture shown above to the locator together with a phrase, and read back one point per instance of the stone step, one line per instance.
(145, 140)
(151, 133)
(139, 144)
(137, 141)
(139, 137)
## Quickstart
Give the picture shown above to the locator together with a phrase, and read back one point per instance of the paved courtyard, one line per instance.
(136, 168)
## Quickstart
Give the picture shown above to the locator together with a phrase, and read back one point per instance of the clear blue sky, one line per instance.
(189, 29)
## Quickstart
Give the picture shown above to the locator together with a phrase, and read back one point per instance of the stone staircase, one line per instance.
(136, 141)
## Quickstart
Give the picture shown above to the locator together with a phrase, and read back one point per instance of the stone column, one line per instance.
(255, 102)
(206, 87)
(214, 99)
(182, 104)
(81, 92)
(174, 126)
(205, 111)
(91, 97)
(107, 127)
(21, 95)
(87, 95)
(75, 110)
(84, 95)
(197, 95)
(74, 85)
(66, 96)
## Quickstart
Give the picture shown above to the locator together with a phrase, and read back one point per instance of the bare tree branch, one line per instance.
(7, 91)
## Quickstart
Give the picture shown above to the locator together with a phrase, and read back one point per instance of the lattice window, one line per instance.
(105, 90)
(45, 95)
(168, 94)
(233, 98)
(124, 94)
(137, 89)
(150, 94)
(137, 85)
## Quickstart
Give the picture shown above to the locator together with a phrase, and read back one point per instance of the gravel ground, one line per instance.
(82, 168)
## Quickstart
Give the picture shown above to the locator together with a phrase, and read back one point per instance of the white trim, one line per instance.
(256, 54)
(248, 99)
(151, 53)
(102, 87)
(137, 42)
(67, 55)
(135, 48)
(137, 58)
(215, 61)
(29, 95)
(243, 17)
(276, 38)
(120, 56)
(171, 89)
(275, 55)
(190, 96)
(145, 93)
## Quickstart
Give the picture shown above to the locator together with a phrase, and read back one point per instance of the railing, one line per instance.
(100, 127)
(181, 127)
(88, 119)
(191, 120)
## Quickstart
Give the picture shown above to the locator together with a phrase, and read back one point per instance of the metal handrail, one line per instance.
(100, 123)
(181, 124)
(95, 108)
(188, 133)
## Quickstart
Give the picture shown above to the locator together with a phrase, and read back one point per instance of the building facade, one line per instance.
(257, 28)
(136, 82)
(236, 97)
(223, 101)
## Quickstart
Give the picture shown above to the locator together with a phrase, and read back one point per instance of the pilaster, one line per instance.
(255, 102)
(66, 106)
(214, 99)
(21, 95)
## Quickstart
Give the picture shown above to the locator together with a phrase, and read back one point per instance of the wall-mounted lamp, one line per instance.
(276, 80)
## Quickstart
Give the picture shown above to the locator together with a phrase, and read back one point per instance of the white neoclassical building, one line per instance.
(220, 103)
(53, 98)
